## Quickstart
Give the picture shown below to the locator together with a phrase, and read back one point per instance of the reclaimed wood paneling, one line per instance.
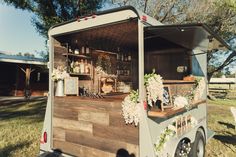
(92, 127)
(94, 117)
(125, 134)
(65, 113)
(73, 125)
(107, 145)
(81, 151)
(59, 134)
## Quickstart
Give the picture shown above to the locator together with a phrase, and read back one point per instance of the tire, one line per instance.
(183, 148)
(198, 147)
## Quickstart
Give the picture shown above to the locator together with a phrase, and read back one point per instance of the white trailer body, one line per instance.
(196, 39)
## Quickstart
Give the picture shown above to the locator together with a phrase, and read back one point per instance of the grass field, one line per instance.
(21, 124)
(221, 121)
(20, 127)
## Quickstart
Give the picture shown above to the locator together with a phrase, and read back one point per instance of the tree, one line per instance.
(50, 12)
(220, 15)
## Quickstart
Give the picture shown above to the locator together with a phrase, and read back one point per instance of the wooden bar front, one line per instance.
(92, 127)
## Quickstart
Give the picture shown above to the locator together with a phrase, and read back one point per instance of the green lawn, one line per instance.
(21, 123)
(20, 127)
(221, 121)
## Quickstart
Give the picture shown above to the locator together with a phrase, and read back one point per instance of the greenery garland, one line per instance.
(165, 135)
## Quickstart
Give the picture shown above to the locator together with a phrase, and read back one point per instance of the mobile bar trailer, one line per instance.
(113, 103)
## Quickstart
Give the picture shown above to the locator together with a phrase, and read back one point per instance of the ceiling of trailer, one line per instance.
(123, 35)
(187, 36)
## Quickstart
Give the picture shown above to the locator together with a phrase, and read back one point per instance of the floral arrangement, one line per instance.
(131, 108)
(154, 87)
(100, 71)
(199, 89)
(181, 101)
(59, 73)
(169, 131)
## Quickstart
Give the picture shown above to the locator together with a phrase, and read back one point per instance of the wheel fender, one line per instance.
(202, 131)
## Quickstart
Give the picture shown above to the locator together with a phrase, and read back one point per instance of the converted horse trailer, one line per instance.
(124, 84)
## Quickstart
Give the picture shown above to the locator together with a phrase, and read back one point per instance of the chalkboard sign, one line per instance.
(167, 101)
(71, 86)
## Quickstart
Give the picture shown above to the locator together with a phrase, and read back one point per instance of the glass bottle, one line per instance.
(83, 50)
(87, 51)
(122, 57)
(87, 68)
(82, 66)
(129, 57)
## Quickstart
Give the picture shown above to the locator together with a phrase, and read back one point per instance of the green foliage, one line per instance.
(163, 139)
(134, 96)
(147, 76)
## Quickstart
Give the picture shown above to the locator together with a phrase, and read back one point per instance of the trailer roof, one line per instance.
(188, 31)
(101, 17)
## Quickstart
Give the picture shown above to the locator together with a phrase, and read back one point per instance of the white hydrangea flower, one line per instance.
(131, 111)
(181, 101)
(154, 89)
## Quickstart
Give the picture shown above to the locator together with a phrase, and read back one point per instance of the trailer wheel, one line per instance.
(183, 148)
(198, 147)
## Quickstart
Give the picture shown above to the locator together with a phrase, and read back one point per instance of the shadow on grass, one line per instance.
(35, 111)
(226, 139)
(228, 125)
(11, 148)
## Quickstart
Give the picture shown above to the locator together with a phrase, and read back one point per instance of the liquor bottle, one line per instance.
(117, 70)
(82, 66)
(126, 57)
(87, 68)
(129, 57)
(70, 51)
(118, 56)
(72, 64)
(87, 51)
(122, 57)
(82, 50)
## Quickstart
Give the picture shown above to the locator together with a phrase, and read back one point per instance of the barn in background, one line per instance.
(13, 73)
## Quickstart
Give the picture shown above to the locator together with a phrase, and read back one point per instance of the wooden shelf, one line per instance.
(178, 82)
(172, 111)
(75, 55)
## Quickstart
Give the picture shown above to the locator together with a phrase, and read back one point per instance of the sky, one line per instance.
(17, 33)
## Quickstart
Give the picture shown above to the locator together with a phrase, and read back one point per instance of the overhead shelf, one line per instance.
(76, 55)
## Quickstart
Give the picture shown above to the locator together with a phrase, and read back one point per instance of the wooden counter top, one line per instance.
(107, 98)
(172, 111)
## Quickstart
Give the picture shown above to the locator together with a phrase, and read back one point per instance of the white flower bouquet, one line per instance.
(131, 108)
(154, 87)
(59, 73)
(181, 101)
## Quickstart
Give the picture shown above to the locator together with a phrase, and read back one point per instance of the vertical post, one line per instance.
(146, 147)
(17, 81)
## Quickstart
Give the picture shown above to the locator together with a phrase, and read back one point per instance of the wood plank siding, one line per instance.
(92, 128)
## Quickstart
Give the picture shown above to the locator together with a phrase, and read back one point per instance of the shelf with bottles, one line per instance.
(124, 69)
(83, 52)
(124, 58)
(76, 55)
(80, 67)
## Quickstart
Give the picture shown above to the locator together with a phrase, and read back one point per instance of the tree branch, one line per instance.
(22, 69)
(167, 13)
(145, 6)
(226, 62)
